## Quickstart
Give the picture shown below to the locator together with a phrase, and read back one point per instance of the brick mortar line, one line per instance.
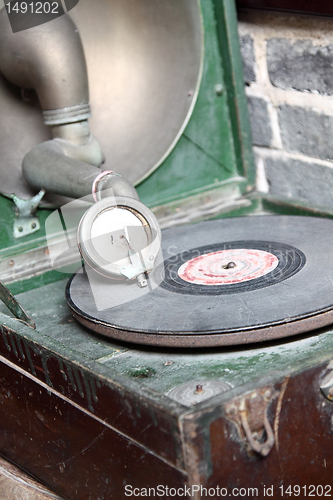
(264, 152)
(261, 179)
(277, 96)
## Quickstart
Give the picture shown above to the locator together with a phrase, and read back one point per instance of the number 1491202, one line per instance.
(33, 8)
(306, 491)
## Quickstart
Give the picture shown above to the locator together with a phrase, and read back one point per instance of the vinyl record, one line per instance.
(223, 282)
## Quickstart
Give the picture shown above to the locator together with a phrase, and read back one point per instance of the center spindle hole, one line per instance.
(230, 265)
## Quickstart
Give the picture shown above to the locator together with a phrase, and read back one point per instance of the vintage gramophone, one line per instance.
(142, 391)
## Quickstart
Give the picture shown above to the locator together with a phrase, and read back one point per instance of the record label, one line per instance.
(228, 266)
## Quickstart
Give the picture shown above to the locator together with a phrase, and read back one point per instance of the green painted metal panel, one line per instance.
(26, 251)
(230, 52)
(188, 170)
(7, 240)
(211, 149)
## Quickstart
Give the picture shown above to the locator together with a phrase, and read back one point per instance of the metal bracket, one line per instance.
(136, 270)
(249, 413)
(26, 222)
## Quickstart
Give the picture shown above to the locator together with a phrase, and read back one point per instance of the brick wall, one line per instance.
(288, 68)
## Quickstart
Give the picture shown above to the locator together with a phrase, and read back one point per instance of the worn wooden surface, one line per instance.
(16, 485)
(300, 418)
(80, 455)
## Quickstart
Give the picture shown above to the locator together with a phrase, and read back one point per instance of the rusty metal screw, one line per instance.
(267, 395)
(231, 410)
(198, 389)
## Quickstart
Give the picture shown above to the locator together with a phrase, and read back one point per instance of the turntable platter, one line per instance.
(223, 282)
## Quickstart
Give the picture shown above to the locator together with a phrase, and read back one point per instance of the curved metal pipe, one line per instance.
(50, 59)
(46, 167)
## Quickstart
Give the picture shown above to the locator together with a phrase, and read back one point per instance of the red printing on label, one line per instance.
(227, 267)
